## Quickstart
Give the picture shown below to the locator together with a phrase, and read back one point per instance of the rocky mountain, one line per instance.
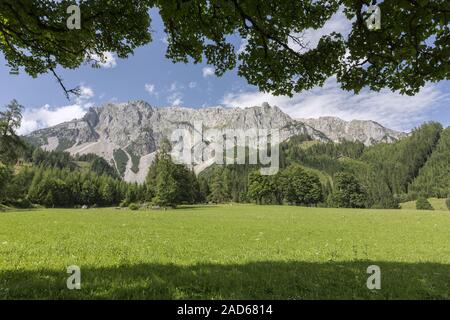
(129, 134)
(367, 131)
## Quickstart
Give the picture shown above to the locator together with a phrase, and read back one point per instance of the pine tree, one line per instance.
(218, 189)
(167, 189)
(107, 191)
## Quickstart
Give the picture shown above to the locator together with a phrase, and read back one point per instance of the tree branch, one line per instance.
(75, 91)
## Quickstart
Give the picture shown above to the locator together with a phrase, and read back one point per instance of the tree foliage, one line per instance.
(294, 185)
(5, 176)
(264, 189)
(11, 145)
(300, 187)
(423, 204)
(170, 184)
(34, 33)
(54, 187)
(101, 166)
(219, 188)
(347, 193)
(410, 49)
(392, 167)
(58, 159)
(433, 179)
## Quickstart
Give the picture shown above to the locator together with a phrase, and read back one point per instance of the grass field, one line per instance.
(225, 252)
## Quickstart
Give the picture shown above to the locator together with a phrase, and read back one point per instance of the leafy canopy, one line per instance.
(411, 48)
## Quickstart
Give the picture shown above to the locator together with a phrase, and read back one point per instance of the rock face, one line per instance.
(368, 132)
(128, 134)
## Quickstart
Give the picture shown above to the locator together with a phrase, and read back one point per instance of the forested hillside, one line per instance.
(394, 166)
(380, 176)
(311, 173)
(434, 177)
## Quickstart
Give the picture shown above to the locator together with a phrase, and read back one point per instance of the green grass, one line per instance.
(437, 204)
(225, 252)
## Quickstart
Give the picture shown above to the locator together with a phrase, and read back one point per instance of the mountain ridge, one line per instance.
(135, 129)
(367, 131)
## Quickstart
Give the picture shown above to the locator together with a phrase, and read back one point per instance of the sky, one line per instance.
(148, 75)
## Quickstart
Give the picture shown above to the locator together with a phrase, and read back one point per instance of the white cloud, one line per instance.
(175, 99)
(86, 93)
(164, 40)
(242, 46)
(151, 89)
(46, 116)
(175, 86)
(207, 72)
(337, 23)
(393, 110)
(192, 84)
(310, 37)
(107, 61)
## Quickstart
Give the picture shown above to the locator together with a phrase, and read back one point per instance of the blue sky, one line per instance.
(149, 76)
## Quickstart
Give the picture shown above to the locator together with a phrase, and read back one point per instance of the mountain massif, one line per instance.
(128, 135)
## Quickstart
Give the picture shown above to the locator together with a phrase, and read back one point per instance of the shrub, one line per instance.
(423, 204)
(133, 207)
(447, 202)
(21, 203)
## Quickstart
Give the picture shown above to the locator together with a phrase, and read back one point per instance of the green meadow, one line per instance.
(225, 252)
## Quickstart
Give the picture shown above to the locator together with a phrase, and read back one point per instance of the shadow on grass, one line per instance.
(257, 280)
